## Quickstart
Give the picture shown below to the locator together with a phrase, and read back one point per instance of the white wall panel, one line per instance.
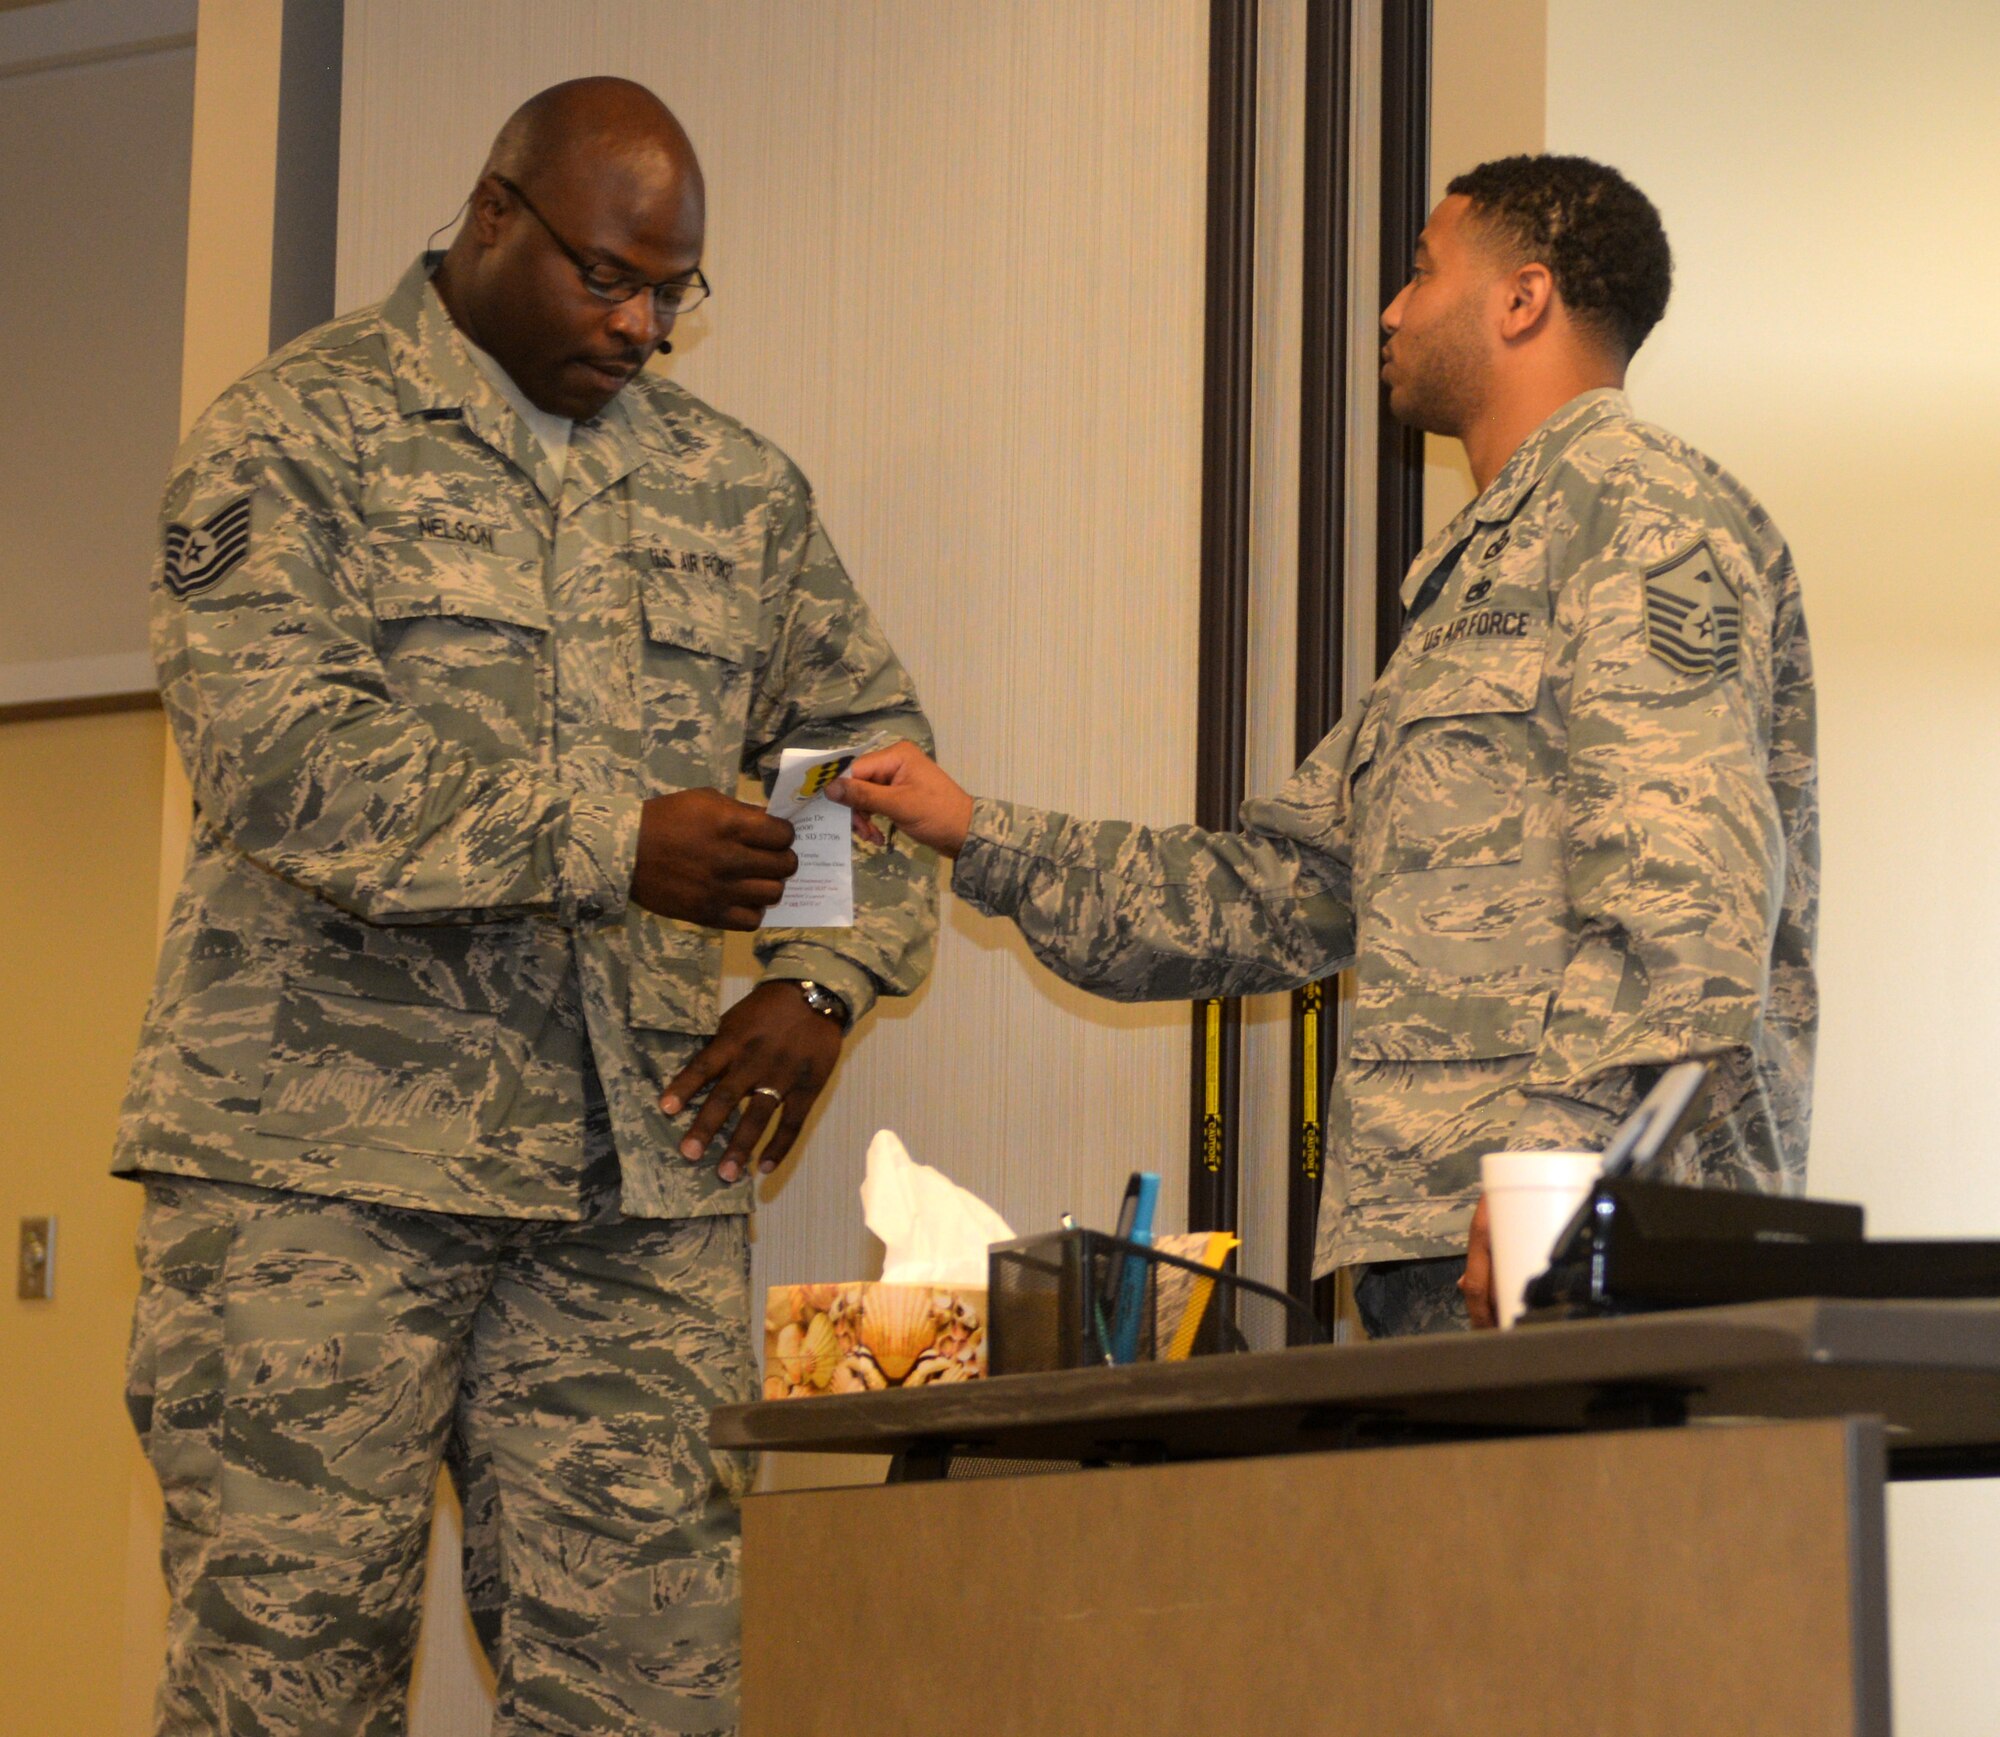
(958, 256)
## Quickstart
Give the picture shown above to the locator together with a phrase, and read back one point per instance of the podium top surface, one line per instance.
(1930, 1370)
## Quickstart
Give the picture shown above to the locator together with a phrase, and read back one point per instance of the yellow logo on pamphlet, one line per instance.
(821, 776)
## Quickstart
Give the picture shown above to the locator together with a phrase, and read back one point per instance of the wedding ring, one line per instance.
(777, 1097)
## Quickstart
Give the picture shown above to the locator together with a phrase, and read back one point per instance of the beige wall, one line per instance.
(95, 104)
(1488, 99)
(1826, 178)
(79, 827)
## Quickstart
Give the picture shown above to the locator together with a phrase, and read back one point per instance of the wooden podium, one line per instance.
(1671, 1524)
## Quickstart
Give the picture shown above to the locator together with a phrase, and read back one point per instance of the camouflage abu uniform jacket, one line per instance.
(422, 688)
(1571, 834)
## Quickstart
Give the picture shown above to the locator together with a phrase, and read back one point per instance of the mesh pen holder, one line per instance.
(1076, 1299)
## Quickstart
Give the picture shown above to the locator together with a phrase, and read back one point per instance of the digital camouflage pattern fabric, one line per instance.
(422, 686)
(299, 1367)
(1570, 835)
(410, 1195)
(1400, 1299)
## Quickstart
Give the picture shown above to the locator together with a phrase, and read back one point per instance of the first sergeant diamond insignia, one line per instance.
(198, 556)
(1694, 615)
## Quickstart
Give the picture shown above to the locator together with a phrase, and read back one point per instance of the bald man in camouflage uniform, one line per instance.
(1571, 835)
(466, 630)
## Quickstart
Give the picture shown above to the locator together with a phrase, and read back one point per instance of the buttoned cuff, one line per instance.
(1004, 845)
(600, 850)
(810, 962)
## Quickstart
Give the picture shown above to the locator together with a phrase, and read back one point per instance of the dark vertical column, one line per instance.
(304, 222)
(1406, 171)
(1321, 655)
(1225, 566)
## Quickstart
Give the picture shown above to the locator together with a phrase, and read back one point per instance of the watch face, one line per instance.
(823, 1000)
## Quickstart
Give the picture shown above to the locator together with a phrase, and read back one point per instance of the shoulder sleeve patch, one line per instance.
(1694, 615)
(199, 556)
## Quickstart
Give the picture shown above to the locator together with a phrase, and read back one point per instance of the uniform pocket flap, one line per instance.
(677, 1005)
(695, 608)
(1476, 676)
(415, 577)
(1478, 1022)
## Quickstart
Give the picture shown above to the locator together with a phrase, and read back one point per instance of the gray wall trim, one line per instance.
(304, 222)
(30, 689)
(79, 32)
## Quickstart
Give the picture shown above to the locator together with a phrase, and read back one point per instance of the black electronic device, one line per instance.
(1669, 1111)
(1637, 1245)
(1652, 1245)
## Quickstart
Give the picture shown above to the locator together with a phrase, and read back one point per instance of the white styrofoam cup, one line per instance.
(1530, 1196)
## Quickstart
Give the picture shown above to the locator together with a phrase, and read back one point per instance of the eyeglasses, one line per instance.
(672, 296)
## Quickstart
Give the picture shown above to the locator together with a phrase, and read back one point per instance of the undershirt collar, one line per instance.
(551, 430)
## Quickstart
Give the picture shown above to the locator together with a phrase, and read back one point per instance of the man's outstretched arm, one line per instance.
(1131, 912)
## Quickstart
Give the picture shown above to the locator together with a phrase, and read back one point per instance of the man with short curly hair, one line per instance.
(1599, 236)
(1569, 838)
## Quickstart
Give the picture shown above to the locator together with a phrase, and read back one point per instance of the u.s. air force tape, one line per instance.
(199, 556)
(1481, 624)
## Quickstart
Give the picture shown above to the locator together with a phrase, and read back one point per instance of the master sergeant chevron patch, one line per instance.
(1694, 616)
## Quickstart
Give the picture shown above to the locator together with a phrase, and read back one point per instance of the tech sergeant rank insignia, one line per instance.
(1694, 616)
(199, 555)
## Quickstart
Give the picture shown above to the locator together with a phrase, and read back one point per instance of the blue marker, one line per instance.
(1135, 1224)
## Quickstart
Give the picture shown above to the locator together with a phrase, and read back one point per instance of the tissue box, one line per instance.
(864, 1338)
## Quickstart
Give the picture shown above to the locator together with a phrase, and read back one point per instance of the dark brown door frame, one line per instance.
(1321, 657)
(1406, 175)
(1325, 584)
(1223, 681)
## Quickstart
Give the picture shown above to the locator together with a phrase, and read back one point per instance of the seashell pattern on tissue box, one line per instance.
(864, 1338)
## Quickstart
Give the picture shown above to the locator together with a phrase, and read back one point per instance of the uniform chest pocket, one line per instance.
(696, 666)
(417, 579)
(1451, 771)
(460, 630)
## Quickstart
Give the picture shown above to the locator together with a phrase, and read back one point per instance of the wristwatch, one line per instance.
(822, 1000)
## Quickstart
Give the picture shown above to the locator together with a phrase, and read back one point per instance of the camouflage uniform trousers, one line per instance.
(1397, 1299)
(302, 1365)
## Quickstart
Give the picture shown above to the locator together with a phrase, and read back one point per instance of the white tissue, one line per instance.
(935, 1233)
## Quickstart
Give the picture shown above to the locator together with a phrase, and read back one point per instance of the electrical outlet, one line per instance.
(38, 1257)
